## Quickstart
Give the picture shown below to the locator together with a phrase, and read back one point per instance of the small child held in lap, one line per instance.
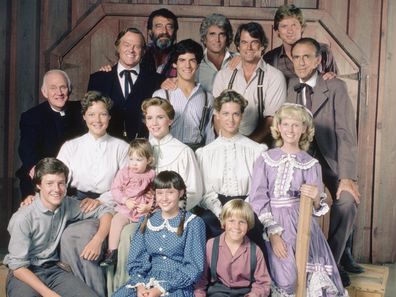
(131, 193)
(234, 265)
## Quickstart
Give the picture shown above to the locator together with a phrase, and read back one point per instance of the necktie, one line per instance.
(308, 92)
(127, 81)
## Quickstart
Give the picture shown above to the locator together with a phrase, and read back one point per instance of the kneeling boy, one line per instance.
(36, 230)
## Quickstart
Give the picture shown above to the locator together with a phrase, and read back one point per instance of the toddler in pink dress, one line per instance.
(131, 191)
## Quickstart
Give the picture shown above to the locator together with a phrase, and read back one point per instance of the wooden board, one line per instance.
(371, 283)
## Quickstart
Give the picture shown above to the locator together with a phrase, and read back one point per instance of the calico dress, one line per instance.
(274, 196)
(160, 258)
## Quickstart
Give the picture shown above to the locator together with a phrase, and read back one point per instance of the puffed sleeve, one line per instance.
(189, 272)
(260, 200)
(139, 263)
(189, 171)
(313, 176)
(210, 198)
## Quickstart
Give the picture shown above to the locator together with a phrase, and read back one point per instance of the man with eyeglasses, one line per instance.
(262, 85)
(335, 140)
(45, 127)
(128, 83)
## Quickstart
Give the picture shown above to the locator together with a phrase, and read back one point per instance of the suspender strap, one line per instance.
(167, 95)
(203, 117)
(231, 82)
(260, 95)
(253, 261)
(215, 256)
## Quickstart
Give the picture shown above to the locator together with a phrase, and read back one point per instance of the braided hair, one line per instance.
(166, 180)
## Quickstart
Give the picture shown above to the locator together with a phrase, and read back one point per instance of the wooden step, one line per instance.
(371, 283)
(3, 278)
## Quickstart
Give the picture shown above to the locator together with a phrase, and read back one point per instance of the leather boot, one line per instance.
(111, 259)
(347, 261)
(346, 281)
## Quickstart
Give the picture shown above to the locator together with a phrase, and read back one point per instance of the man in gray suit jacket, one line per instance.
(335, 142)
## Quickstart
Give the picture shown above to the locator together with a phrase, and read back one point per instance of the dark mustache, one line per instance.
(164, 35)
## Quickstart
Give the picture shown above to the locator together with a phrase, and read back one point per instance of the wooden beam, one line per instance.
(302, 245)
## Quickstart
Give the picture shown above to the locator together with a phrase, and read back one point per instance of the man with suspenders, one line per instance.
(191, 102)
(261, 84)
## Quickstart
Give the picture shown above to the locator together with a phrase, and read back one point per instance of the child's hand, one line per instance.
(278, 246)
(143, 208)
(153, 292)
(312, 192)
(130, 204)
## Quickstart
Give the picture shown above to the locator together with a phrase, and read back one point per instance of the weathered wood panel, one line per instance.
(352, 28)
(5, 178)
(384, 211)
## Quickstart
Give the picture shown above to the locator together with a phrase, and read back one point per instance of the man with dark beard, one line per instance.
(162, 28)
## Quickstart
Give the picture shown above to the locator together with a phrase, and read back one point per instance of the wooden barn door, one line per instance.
(95, 24)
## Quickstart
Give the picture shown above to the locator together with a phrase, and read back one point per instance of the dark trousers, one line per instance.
(342, 214)
(62, 282)
(220, 290)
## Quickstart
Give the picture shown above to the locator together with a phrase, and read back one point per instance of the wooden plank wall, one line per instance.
(39, 27)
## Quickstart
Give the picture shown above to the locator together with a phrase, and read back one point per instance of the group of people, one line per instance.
(196, 204)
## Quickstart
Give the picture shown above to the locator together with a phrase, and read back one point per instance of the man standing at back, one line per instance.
(289, 24)
(335, 141)
(45, 127)
(262, 85)
(128, 83)
(162, 28)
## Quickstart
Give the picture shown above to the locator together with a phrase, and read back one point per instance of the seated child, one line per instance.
(36, 230)
(130, 191)
(234, 266)
(167, 253)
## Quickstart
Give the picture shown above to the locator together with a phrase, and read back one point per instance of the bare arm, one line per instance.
(262, 131)
(92, 250)
(29, 278)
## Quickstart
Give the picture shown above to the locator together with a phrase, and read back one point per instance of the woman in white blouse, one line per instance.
(227, 163)
(93, 160)
(170, 154)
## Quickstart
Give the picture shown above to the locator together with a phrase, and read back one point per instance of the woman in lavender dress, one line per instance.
(280, 176)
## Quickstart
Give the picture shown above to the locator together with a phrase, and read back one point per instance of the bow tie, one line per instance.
(298, 88)
(124, 72)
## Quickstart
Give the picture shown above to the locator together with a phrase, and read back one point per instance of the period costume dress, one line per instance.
(274, 196)
(162, 259)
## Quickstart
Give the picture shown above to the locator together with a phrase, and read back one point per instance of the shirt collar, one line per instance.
(120, 68)
(41, 207)
(161, 141)
(227, 56)
(102, 139)
(61, 112)
(312, 81)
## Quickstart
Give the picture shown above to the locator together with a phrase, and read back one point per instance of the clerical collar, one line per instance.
(61, 112)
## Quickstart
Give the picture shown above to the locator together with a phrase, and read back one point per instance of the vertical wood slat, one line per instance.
(302, 244)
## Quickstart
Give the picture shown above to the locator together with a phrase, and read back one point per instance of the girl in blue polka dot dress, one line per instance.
(168, 250)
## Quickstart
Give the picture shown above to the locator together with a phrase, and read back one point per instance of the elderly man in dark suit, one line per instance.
(45, 127)
(128, 83)
(335, 142)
